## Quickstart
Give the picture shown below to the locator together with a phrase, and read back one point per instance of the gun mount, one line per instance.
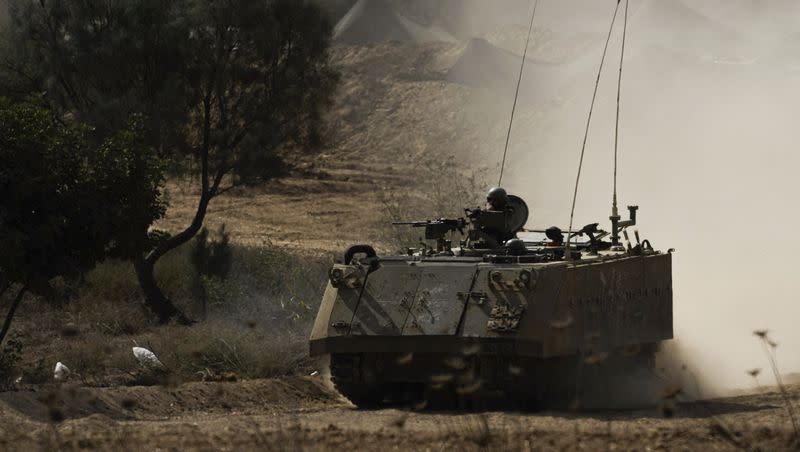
(438, 230)
(617, 226)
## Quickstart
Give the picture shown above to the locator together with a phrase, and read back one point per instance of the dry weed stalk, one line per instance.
(754, 373)
(769, 349)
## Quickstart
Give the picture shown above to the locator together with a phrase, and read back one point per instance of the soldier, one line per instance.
(496, 199)
(490, 226)
(555, 235)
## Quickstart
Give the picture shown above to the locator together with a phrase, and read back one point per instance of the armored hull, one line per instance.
(421, 327)
(538, 321)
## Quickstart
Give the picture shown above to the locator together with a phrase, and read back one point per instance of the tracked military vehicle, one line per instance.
(550, 316)
(538, 319)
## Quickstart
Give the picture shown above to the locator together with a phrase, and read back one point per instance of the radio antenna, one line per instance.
(567, 252)
(516, 94)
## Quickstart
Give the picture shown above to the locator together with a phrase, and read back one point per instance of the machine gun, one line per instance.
(438, 229)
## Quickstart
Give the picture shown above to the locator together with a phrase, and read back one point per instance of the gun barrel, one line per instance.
(413, 223)
(442, 222)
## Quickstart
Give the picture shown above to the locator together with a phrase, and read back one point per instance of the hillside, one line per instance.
(401, 123)
(396, 124)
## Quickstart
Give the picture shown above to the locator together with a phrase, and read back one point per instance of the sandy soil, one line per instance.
(301, 413)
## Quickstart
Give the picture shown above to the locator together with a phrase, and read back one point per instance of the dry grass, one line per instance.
(257, 324)
(770, 347)
(221, 347)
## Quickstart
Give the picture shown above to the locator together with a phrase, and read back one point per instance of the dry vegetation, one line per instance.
(283, 235)
(255, 323)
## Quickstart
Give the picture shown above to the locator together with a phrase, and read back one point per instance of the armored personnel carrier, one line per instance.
(540, 319)
(550, 316)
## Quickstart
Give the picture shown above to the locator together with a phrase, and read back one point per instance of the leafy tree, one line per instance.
(65, 203)
(230, 87)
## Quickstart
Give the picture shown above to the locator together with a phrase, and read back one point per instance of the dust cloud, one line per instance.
(708, 150)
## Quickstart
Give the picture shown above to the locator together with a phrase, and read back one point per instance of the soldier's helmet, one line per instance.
(554, 233)
(497, 198)
(515, 247)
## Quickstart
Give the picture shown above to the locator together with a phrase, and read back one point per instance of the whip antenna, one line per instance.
(516, 94)
(614, 212)
(567, 252)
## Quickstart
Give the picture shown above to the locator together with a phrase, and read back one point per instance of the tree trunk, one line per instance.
(11, 312)
(3, 288)
(154, 298)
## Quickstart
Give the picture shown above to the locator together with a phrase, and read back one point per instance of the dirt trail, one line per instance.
(302, 413)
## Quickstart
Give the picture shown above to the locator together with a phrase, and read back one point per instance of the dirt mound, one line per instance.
(59, 403)
(376, 20)
(485, 65)
(299, 414)
(473, 18)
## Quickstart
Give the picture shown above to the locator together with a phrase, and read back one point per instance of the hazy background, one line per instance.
(707, 141)
(708, 149)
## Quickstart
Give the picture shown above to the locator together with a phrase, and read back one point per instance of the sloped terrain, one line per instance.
(396, 121)
(411, 112)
